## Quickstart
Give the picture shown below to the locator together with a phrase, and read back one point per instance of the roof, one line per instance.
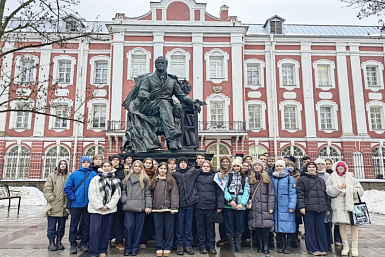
(319, 30)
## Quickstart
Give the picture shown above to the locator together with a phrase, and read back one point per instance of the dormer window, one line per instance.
(276, 27)
(71, 26)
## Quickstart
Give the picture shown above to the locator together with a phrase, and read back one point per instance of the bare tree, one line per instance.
(368, 8)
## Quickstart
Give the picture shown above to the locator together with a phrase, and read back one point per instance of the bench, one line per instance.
(6, 194)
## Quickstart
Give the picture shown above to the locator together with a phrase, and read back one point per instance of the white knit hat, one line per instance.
(237, 161)
(320, 161)
(280, 162)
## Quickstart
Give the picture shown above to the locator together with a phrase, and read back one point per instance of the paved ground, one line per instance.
(25, 235)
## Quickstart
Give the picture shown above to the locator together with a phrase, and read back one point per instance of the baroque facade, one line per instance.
(273, 87)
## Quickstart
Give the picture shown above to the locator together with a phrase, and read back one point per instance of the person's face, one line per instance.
(286, 159)
(200, 159)
(311, 169)
(305, 162)
(270, 162)
(329, 165)
(162, 170)
(183, 165)
(257, 167)
(62, 165)
(225, 163)
(341, 169)
(205, 167)
(115, 162)
(172, 166)
(86, 164)
(263, 158)
(126, 167)
(279, 168)
(107, 167)
(236, 168)
(137, 168)
(129, 160)
(320, 166)
(245, 166)
(98, 161)
(291, 167)
(248, 159)
(155, 163)
(148, 164)
(161, 65)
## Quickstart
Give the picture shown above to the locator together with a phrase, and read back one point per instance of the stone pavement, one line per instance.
(25, 235)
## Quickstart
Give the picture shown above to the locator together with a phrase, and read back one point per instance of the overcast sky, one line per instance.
(248, 11)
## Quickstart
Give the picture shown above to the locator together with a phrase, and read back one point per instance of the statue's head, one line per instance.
(161, 63)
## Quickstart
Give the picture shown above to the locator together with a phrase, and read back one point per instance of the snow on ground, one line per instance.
(29, 196)
(375, 200)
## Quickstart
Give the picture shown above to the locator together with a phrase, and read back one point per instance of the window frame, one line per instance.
(93, 61)
(332, 80)
(187, 58)
(216, 98)
(58, 156)
(216, 52)
(296, 77)
(261, 73)
(56, 61)
(263, 115)
(380, 78)
(90, 107)
(18, 68)
(334, 106)
(380, 104)
(129, 56)
(13, 115)
(17, 169)
(298, 105)
(53, 104)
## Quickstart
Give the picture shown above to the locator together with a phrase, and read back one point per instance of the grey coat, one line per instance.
(134, 198)
(263, 201)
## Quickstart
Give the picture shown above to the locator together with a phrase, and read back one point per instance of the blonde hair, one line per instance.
(142, 175)
(265, 178)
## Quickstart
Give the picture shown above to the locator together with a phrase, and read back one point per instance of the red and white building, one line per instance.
(275, 87)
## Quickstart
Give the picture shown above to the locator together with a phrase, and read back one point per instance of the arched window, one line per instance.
(330, 152)
(16, 163)
(52, 156)
(96, 149)
(218, 150)
(379, 161)
(255, 150)
(296, 152)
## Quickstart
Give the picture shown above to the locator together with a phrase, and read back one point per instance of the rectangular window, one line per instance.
(326, 113)
(65, 72)
(290, 117)
(288, 75)
(101, 72)
(216, 67)
(138, 65)
(255, 117)
(71, 26)
(323, 75)
(371, 76)
(178, 66)
(99, 116)
(376, 117)
(217, 113)
(22, 118)
(27, 71)
(276, 27)
(253, 74)
(61, 110)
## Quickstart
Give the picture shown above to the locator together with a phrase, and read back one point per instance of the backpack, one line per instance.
(243, 181)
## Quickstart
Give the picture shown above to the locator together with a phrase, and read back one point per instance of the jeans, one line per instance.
(184, 226)
(234, 221)
(100, 230)
(53, 230)
(78, 214)
(164, 230)
(133, 228)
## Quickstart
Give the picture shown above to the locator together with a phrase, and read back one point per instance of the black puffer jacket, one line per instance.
(120, 172)
(185, 179)
(311, 194)
(209, 193)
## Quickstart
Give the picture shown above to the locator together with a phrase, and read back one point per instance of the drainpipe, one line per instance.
(273, 95)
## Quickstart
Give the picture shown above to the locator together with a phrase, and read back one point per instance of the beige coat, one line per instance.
(343, 200)
(54, 194)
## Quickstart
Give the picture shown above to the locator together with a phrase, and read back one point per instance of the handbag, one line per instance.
(250, 202)
(217, 217)
(360, 214)
(69, 203)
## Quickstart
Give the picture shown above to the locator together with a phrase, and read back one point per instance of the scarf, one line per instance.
(281, 174)
(108, 184)
(150, 172)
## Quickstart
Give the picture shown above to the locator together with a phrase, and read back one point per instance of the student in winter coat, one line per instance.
(137, 201)
(104, 194)
(56, 203)
(76, 189)
(236, 197)
(261, 217)
(284, 207)
(210, 202)
(344, 189)
(270, 165)
(164, 205)
(171, 163)
(185, 176)
(314, 204)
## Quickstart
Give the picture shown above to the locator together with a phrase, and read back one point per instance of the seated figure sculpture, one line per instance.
(151, 109)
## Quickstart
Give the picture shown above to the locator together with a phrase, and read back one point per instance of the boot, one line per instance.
(238, 243)
(230, 238)
(281, 241)
(289, 248)
(52, 246)
(59, 245)
(179, 249)
(271, 240)
(266, 249)
(345, 250)
(355, 249)
(260, 246)
(295, 243)
(73, 249)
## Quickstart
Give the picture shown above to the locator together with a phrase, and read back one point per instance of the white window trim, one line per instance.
(57, 156)
(12, 123)
(299, 114)
(90, 118)
(187, 60)
(218, 97)
(332, 78)
(56, 61)
(263, 113)
(296, 73)
(132, 52)
(93, 61)
(17, 170)
(97, 147)
(18, 62)
(54, 102)
(372, 104)
(334, 106)
(380, 77)
(225, 65)
(261, 73)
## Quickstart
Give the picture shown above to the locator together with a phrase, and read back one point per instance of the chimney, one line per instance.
(224, 14)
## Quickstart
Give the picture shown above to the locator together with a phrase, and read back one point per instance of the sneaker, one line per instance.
(317, 253)
(120, 247)
(134, 254)
(213, 251)
(203, 251)
(84, 248)
(73, 249)
(102, 255)
(142, 246)
(179, 249)
(127, 254)
(189, 250)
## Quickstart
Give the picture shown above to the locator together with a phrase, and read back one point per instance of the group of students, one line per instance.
(175, 202)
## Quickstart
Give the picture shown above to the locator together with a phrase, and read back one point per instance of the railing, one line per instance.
(116, 125)
(222, 126)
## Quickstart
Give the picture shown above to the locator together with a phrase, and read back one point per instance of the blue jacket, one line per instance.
(285, 198)
(235, 192)
(80, 197)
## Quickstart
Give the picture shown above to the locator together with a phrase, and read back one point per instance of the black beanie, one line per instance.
(182, 159)
(115, 156)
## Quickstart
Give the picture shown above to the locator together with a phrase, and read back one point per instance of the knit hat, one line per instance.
(320, 161)
(289, 163)
(237, 161)
(115, 156)
(180, 159)
(257, 162)
(343, 164)
(291, 158)
(62, 160)
(280, 162)
(85, 159)
(311, 163)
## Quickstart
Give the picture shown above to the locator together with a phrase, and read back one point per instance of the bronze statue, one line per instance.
(152, 111)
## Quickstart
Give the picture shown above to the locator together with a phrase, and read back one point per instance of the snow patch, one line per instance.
(29, 196)
(375, 200)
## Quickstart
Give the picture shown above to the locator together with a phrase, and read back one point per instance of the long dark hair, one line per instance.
(170, 181)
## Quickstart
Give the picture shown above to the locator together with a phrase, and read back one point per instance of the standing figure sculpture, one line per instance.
(152, 111)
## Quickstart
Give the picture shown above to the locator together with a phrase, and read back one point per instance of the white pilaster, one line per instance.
(307, 84)
(197, 40)
(343, 89)
(271, 89)
(158, 44)
(117, 77)
(5, 75)
(237, 76)
(358, 89)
